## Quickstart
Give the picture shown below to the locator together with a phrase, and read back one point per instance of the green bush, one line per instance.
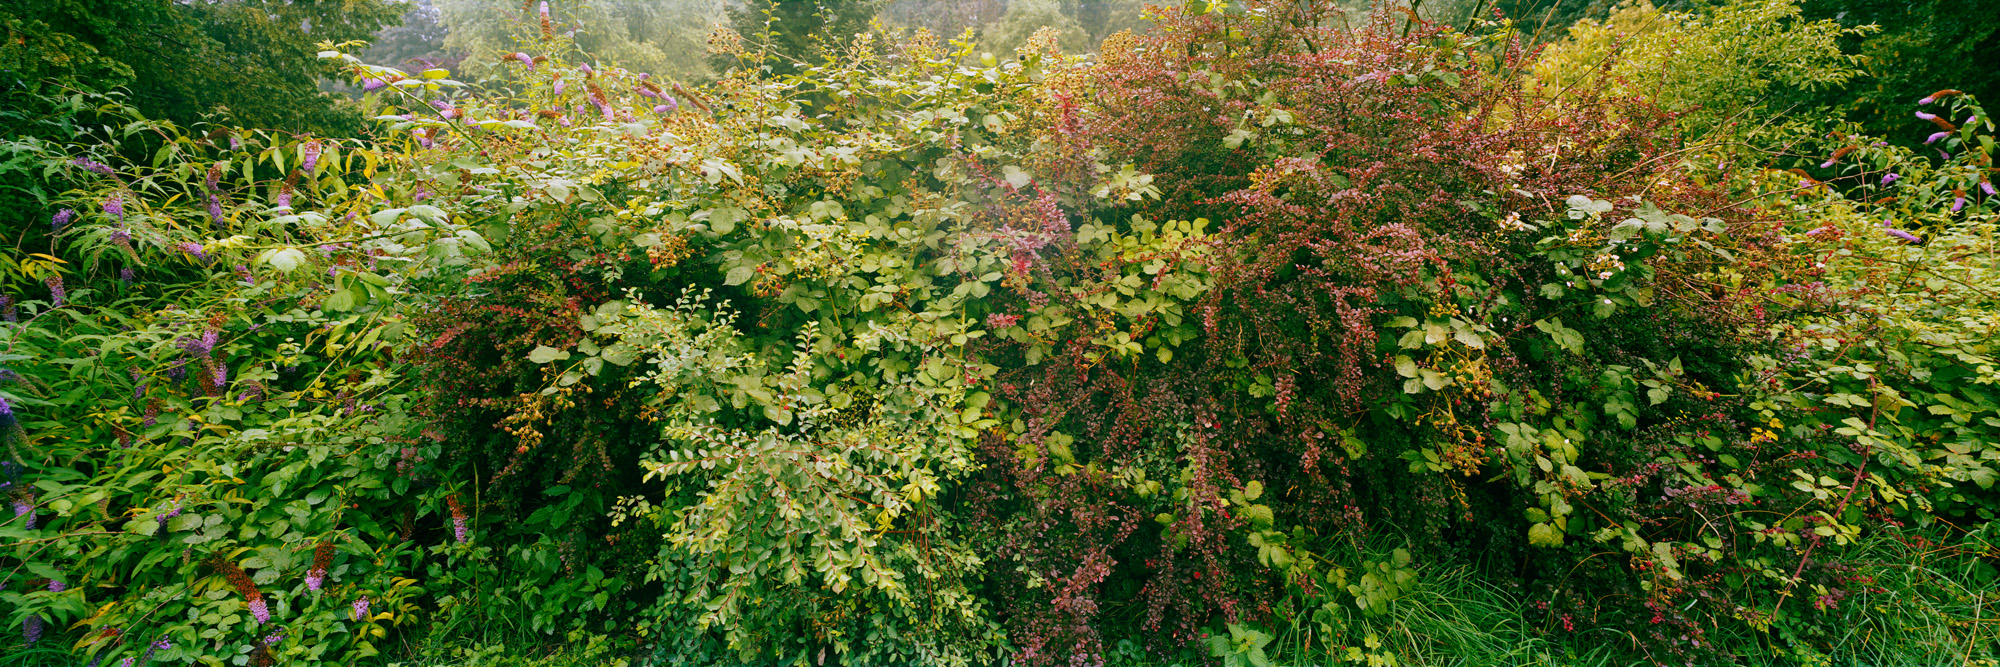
(1250, 340)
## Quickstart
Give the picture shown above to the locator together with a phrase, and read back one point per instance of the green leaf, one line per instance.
(1544, 535)
(544, 354)
(283, 259)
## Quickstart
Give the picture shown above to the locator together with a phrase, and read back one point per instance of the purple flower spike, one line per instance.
(1927, 100)
(1826, 165)
(215, 209)
(315, 579)
(195, 249)
(361, 608)
(1890, 178)
(525, 59)
(92, 166)
(559, 86)
(1987, 187)
(1936, 137)
(260, 611)
(57, 586)
(585, 68)
(662, 109)
(61, 219)
(372, 84)
(31, 630)
(1957, 204)
(56, 291)
(115, 207)
(1926, 116)
(312, 150)
(1907, 237)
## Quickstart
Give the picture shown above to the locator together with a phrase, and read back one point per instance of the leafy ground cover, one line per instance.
(1276, 334)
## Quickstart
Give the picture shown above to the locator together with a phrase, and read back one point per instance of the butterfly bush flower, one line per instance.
(312, 150)
(23, 508)
(125, 276)
(254, 393)
(56, 290)
(559, 86)
(548, 28)
(1986, 187)
(160, 644)
(1890, 178)
(457, 518)
(194, 249)
(1933, 97)
(285, 190)
(361, 608)
(163, 517)
(1936, 137)
(1926, 116)
(1907, 237)
(7, 310)
(57, 586)
(115, 206)
(92, 166)
(31, 630)
(241, 581)
(61, 219)
(371, 84)
(525, 59)
(322, 558)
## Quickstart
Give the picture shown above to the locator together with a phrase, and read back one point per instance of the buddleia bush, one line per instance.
(1246, 325)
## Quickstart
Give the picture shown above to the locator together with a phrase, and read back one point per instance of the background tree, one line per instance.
(1922, 47)
(797, 30)
(251, 59)
(665, 38)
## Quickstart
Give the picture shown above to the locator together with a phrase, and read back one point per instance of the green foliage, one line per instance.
(783, 34)
(666, 39)
(250, 59)
(1718, 65)
(889, 358)
(1919, 48)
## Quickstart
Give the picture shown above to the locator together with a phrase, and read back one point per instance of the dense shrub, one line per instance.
(1250, 326)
